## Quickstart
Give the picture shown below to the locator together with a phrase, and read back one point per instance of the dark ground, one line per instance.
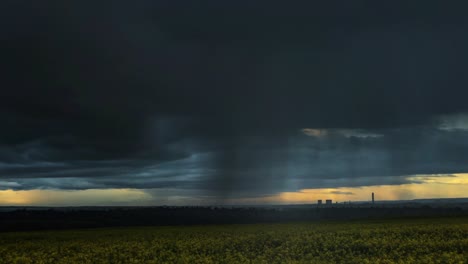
(49, 218)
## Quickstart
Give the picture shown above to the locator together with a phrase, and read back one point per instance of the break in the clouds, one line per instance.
(230, 100)
(454, 122)
(348, 133)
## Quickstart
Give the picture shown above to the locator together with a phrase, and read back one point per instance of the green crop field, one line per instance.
(441, 240)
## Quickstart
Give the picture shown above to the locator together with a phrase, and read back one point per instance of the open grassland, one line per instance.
(438, 240)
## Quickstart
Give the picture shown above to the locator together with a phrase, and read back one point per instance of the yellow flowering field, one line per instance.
(438, 240)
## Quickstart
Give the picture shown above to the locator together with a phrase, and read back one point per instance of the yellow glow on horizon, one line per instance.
(425, 186)
(72, 197)
(420, 187)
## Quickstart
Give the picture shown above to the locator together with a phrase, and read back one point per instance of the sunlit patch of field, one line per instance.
(438, 240)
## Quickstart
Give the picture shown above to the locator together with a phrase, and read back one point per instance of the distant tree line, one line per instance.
(24, 219)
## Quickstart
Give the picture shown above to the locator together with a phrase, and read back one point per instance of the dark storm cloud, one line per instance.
(215, 96)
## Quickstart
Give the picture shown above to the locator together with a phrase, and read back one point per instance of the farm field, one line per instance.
(436, 240)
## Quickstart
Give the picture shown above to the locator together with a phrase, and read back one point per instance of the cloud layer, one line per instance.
(230, 99)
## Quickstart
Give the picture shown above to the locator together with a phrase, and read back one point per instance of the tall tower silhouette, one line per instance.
(372, 198)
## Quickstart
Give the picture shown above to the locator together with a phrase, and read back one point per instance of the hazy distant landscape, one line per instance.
(50, 218)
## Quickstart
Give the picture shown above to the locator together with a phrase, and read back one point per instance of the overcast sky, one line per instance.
(231, 99)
